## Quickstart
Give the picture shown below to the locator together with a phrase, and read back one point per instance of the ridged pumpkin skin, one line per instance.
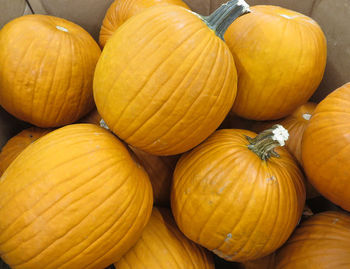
(280, 57)
(121, 10)
(46, 70)
(225, 198)
(164, 81)
(321, 242)
(296, 124)
(17, 144)
(160, 169)
(73, 199)
(162, 245)
(326, 147)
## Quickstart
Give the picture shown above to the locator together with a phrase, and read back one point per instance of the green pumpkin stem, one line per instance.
(264, 144)
(223, 17)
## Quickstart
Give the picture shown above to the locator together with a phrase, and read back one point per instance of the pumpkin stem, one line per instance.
(264, 144)
(223, 17)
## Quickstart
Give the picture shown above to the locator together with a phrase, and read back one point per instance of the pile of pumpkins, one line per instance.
(149, 178)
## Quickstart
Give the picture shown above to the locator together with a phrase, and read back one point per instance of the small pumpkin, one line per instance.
(296, 124)
(166, 80)
(121, 10)
(159, 168)
(73, 199)
(321, 242)
(280, 56)
(325, 147)
(162, 245)
(46, 70)
(238, 196)
(17, 144)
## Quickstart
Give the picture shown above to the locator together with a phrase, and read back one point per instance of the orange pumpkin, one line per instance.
(280, 57)
(321, 242)
(159, 168)
(162, 245)
(17, 144)
(165, 80)
(296, 124)
(237, 196)
(121, 10)
(73, 199)
(325, 147)
(46, 70)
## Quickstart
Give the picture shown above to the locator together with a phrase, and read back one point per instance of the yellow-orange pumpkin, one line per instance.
(280, 57)
(17, 144)
(326, 147)
(159, 168)
(232, 196)
(321, 242)
(296, 124)
(121, 10)
(165, 80)
(46, 70)
(162, 245)
(73, 199)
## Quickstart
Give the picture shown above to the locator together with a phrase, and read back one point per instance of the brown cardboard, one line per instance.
(10, 9)
(87, 13)
(334, 18)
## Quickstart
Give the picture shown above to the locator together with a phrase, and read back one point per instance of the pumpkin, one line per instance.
(73, 199)
(162, 245)
(296, 124)
(159, 168)
(17, 144)
(46, 70)
(237, 196)
(280, 56)
(325, 147)
(121, 10)
(166, 80)
(321, 242)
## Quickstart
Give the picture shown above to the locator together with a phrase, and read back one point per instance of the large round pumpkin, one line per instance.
(326, 147)
(46, 70)
(121, 10)
(165, 80)
(17, 144)
(162, 245)
(73, 199)
(236, 196)
(280, 57)
(321, 242)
